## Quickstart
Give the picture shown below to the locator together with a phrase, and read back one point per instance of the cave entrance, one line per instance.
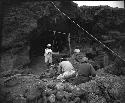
(38, 43)
(60, 41)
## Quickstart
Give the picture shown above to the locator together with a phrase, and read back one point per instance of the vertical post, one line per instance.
(55, 20)
(69, 44)
(106, 62)
(79, 36)
(53, 39)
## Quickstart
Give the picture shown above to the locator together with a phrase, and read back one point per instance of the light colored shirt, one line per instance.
(47, 51)
(48, 55)
(66, 66)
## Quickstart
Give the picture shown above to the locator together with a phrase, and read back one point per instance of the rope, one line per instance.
(88, 32)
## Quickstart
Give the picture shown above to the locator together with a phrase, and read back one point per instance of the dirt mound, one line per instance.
(30, 88)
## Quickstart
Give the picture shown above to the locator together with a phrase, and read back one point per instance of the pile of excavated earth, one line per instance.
(19, 86)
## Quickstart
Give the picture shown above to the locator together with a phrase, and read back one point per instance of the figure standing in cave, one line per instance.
(48, 55)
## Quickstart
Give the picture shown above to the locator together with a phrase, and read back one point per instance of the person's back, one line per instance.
(86, 70)
(66, 66)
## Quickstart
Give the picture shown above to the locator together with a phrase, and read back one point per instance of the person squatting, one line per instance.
(66, 70)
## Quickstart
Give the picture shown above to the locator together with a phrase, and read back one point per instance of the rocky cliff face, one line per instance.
(23, 25)
(20, 28)
(103, 18)
(27, 21)
(19, 21)
(107, 25)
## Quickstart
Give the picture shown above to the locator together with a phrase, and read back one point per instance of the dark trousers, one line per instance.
(80, 79)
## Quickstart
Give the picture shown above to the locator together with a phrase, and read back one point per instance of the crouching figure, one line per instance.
(85, 72)
(66, 69)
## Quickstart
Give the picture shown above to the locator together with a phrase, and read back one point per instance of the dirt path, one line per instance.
(38, 65)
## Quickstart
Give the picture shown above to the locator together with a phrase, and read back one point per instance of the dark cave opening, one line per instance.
(58, 40)
(44, 34)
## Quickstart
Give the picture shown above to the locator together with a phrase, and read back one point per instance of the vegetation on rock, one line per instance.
(25, 22)
(29, 88)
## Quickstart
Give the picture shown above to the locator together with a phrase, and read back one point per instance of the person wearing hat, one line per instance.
(77, 50)
(48, 55)
(75, 54)
(66, 69)
(76, 57)
(85, 71)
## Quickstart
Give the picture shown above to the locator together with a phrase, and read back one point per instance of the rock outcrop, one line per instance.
(21, 27)
(25, 23)
(24, 88)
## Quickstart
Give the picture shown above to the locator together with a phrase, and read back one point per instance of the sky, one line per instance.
(119, 4)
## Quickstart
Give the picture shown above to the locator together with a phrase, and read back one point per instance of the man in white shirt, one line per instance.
(48, 55)
(66, 68)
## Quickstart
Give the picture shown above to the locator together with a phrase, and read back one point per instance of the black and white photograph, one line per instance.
(62, 51)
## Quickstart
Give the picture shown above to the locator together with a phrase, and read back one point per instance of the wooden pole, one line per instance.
(69, 44)
(53, 39)
(55, 20)
(80, 37)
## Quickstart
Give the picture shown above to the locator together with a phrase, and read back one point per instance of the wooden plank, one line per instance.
(109, 41)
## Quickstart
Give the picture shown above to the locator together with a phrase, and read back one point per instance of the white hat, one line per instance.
(77, 51)
(48, 45)
(84, 59)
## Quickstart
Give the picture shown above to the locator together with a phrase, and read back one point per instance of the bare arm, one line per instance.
(59, 68)
(93, 72)
(45, 53)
